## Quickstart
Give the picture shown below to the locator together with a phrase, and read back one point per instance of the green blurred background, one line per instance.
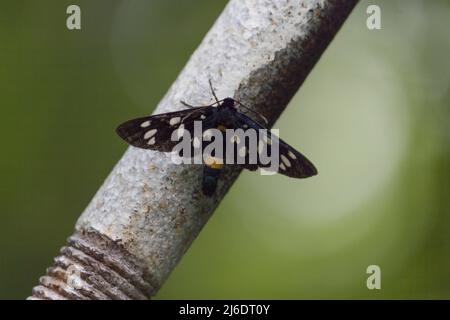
(379, 135)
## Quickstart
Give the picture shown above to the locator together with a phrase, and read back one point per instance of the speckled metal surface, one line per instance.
(259, 52)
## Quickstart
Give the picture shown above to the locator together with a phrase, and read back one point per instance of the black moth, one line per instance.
(154, 132)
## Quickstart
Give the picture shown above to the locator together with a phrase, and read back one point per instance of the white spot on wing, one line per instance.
(174, 121)
(235, 139)
(260, 147)
(292, 155)
(145, 124)
(242, 152)
(180, 130)
(285, 160)
(282, 167)
(150, 133)
(151, 141)
(203, 117)
(196, 142)
(267, 140)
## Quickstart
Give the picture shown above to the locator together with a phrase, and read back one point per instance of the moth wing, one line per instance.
(155, 132)
(292, 163)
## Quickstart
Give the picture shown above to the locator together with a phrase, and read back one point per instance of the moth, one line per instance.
(155, 132)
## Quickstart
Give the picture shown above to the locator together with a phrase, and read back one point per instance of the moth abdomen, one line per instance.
(210, 177)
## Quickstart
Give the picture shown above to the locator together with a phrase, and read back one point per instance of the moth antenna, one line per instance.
(192, 106)
(212, 90)
(186, 104)
(255, 112)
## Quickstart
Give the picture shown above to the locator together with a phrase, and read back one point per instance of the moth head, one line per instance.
(228, 103)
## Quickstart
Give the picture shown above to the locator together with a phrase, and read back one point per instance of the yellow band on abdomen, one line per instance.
(214, 162)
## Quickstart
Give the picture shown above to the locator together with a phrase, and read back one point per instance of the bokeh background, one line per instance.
(373, 116)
